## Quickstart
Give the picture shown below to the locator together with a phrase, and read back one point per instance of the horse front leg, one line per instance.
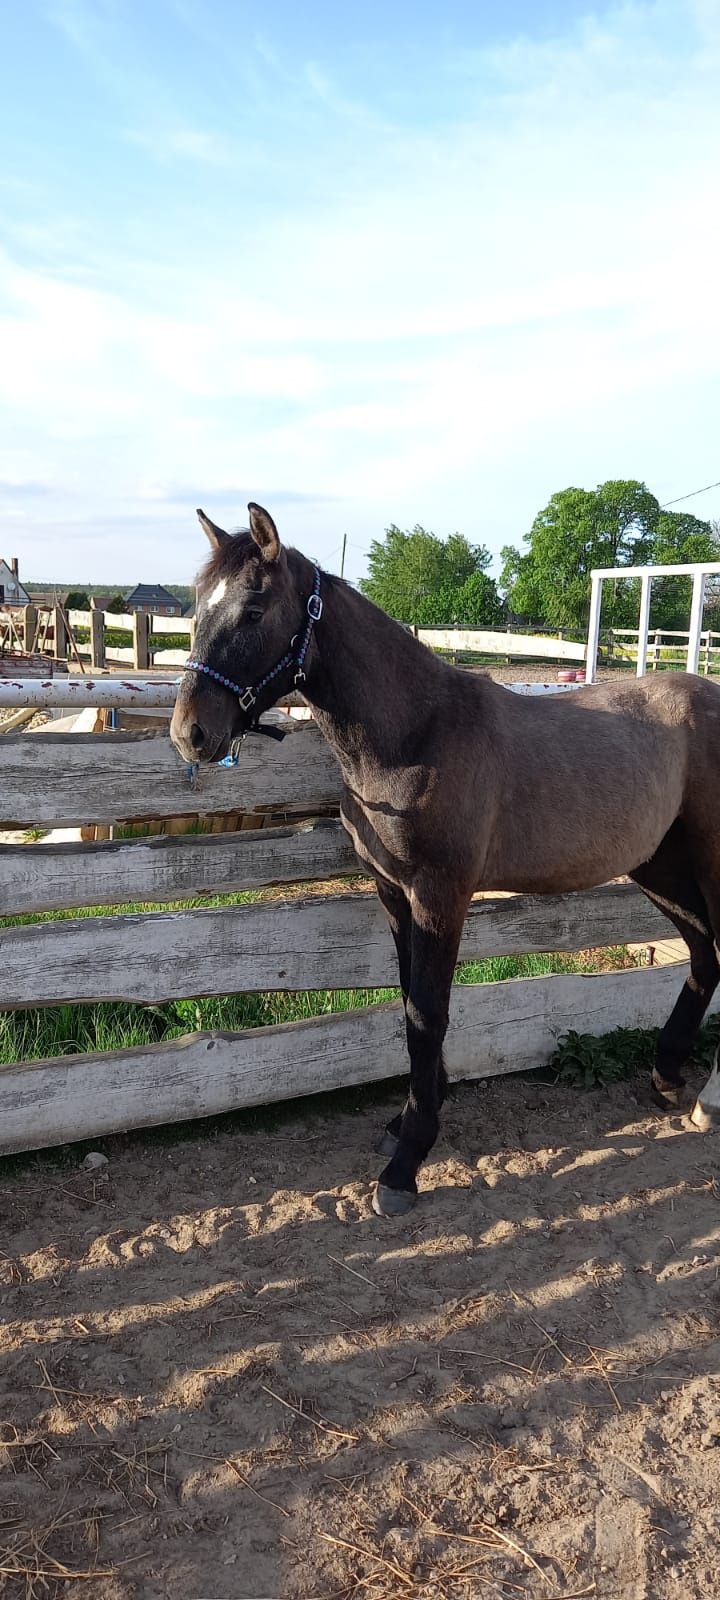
(434, 941)
(397, 908)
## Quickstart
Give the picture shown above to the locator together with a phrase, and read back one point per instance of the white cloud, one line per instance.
(472, 315)
(193, 144)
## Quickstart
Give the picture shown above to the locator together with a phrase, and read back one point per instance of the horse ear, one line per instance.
(217, 536)
(264, 532)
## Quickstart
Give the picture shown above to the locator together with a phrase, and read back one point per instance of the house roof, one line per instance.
(46, 596)
(152, 594)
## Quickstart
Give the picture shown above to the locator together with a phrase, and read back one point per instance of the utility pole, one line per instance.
(342, 558)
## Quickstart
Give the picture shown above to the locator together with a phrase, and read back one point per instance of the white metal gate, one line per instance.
(696, 570)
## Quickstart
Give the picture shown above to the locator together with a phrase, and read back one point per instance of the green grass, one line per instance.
(32, 1034)
(198, 902)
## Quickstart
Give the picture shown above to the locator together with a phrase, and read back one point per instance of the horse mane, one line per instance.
(230, 557)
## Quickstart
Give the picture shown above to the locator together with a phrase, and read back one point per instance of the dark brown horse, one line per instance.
(453, 784)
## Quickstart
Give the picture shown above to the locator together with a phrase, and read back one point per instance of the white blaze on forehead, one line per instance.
(218, 593)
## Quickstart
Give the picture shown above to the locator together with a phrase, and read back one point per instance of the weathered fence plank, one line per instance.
(170, 658)
(175, 625)
(495, 1028)
(484, 642)
(123, 776)
(331, 942)
(56, 877)
(112, 619)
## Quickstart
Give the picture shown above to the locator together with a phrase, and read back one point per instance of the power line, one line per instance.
(690, 496)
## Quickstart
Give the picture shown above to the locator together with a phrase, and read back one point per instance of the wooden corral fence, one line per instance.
(84, 634)
(666, 647)
(488, 641)
(319, 940)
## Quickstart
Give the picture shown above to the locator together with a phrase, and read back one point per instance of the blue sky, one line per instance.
(364, 263)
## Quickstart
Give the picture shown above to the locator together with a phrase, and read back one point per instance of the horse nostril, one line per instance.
(197, 736)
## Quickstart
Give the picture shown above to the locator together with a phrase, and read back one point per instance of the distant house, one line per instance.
(11, 589)
(156, 600)
(52, 596)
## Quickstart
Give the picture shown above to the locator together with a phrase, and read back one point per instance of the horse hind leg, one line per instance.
(668, 879)
(705, 1113)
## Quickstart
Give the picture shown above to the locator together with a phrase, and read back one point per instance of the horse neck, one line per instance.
(368, 678)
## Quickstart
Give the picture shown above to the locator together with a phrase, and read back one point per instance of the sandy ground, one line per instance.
(224, 1377)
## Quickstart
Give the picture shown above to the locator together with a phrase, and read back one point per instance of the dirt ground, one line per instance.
(225, 1378)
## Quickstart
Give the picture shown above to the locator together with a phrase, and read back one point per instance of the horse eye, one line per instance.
(253, 614)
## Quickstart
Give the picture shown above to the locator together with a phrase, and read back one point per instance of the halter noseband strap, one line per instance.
(248, 694)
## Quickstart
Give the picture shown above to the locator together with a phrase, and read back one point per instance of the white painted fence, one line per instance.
(51, 631)
(317, 940)
(667, 647)
(696, 570)
(485, 641)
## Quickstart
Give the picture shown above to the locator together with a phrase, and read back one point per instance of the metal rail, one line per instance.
(696, 570)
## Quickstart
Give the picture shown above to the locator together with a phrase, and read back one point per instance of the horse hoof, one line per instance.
(392, 1202)
(704, 1118)
(673, 1099)
(387, 1144)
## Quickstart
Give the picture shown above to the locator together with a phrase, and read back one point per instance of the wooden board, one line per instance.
(495, 1028)
(58, 877)
(124, 620)
(113, 619)
(120, 776)
(171, 658)
(173, 625)
(17, 719)
(485, 642)
(330, 942)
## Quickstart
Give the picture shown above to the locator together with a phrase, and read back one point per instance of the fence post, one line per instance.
(141, 637)
(696, 613)
(60, 632)
(97, 639)
(29, 628)
(643, 620)
(656, 649)
(593, 629)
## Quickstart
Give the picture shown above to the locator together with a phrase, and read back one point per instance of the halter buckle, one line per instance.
(299, 676)
(315, 607)
(246, 700)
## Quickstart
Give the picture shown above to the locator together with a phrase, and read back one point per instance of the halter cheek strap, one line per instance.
(247, 694)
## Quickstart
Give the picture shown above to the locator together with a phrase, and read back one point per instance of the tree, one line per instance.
(579, 529)
(478, 604)
(619, 524)
(77, 600)
(712, 585)
(117, 604)
(419, 578)
(679, 538)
